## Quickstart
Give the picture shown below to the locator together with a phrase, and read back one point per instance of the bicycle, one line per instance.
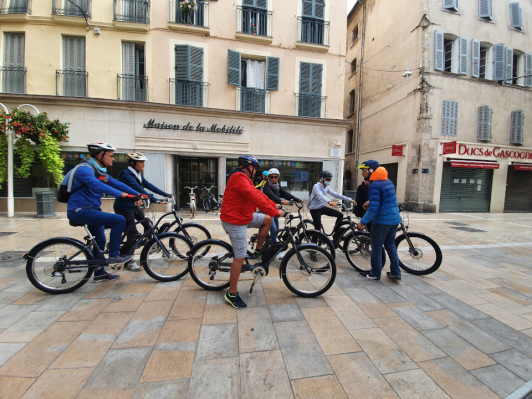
(307, 269)
(192, 196)
(61, 265)
(209, 201)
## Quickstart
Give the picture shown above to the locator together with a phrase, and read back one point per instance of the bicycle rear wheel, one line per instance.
(206, 204)
(318, 238)
(162, 267)
(46, 264)
(424, 257)
(209, 264)
(357, 250)
(312, 277)
(194, 232)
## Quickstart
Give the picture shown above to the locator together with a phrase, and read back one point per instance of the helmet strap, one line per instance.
(100, 161)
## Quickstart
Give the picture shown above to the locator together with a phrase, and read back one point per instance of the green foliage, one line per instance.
(49, 152)
(3, 159)
(27, 155)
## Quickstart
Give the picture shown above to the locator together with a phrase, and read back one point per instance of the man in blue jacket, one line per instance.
(133, 178)
(384, 212)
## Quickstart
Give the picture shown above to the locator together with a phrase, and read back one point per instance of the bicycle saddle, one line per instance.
(73, 224)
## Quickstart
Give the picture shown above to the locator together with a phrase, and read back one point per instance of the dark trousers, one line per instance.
(316, 218)
(384, 235)
(132, 233)
(274, 228)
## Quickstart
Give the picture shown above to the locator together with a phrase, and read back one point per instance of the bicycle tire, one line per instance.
(206, 204)
(318, 238)
(156, 264)
(193, 232)
(200, 263)
(309, 252)
(309, 222)
(33, 257)
(434, 261)
(358, 257)
(193, 210)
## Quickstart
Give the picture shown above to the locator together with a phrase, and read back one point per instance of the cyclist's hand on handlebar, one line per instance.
(284, 202)
(131, 197)
(333, 204)
(169, 196)
(278, 206)
(354, 202)
(281, 213)
(361, 226)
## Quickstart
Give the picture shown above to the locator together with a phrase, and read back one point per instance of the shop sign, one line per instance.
(397, 150)
(475, 165)
(449, 148)
(153, 124)
(336, 152)
(522, 167)
(496, 152)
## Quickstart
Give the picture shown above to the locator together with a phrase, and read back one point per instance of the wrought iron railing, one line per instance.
(15, 7)
(71, 83)
(73, 8)
(254, 21)
(185, 92)
(250, 99)
(132, 87)
(315, 31)
(197, 17)
(311, 105)
(13, 79)
(137, 11)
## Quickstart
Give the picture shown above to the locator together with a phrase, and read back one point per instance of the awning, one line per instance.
(455, 163)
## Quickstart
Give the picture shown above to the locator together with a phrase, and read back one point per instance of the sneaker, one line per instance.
(133, 267)
(235, 300)
(323, 269)
(369, 275)
(396, 278)
(281, 255)
(105, 277)
(120, 259)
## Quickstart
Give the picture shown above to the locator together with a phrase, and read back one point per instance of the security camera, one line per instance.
(407, 74)
(97, 31)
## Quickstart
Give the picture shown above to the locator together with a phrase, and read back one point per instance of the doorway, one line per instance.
(197, 172)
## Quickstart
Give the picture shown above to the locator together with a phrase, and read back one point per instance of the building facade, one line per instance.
(446, 90)
(193, 87)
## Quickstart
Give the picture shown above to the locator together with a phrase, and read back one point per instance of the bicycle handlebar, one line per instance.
(191, 188)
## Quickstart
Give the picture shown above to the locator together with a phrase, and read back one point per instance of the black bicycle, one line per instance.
(61, 265)
(307, 269)
(209, 201)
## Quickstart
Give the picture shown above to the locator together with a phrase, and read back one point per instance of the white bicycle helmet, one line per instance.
(136, 156)
(96, 148)
(274, 171)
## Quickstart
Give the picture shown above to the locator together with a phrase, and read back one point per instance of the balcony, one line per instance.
(185, 92)
(311, 105)
(15, 7)
(132, 87)
(189, 19)
(249, 99)
(76, 8)
(133, 11)
(254, 24)
(13, 79)
(313, 33)
(71, 83)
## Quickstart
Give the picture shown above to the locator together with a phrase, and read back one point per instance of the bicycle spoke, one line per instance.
(211, 265)
(421, 257)
(309, 276)
(173, 264)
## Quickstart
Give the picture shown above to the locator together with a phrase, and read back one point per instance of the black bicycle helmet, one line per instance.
(326, 175)
(246, 160)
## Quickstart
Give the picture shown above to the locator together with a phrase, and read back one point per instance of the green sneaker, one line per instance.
(235, 300)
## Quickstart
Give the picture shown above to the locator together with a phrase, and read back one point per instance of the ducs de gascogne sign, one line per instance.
(497, 152)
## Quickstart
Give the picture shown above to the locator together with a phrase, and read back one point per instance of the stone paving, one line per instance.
(463, 332)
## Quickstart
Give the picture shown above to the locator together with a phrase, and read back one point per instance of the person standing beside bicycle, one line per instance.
(318, 199)
(383, 211)
(261, 181)
(362, 197)
(133, 178)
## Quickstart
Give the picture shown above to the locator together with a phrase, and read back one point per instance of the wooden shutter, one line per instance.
(450, 5)
(308, 8)
(261, 4)
(516, 127)
(319, 9)
(449, 121)
(485, 9)
(464, 53)
(508, 64)
(234, 68)
(515, 16)
(182, 63)
(74, 61)
(439, 63)
(14, 57)
(317, 72)
(272, 73)
(475, 58)
(484, 123)
(305, 77)
(128, 70)
(528, 69)
(310, 84)
(499, 71)
(196, 64)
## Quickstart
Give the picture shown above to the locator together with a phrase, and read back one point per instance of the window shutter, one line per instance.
(515, 16)
(485, 9)
(516, 127)
(80, 66)
(128, 68)
(475, 58)
(454, 119)
(508, 64)
(317, 70)
(438, 51)
(233, 68)
(484, 123)
(450, 5)
(305, 78)
(261, 4)
(449, 122)
(14, 57)
(272, 73)
(464, 52)
(528, 69)
(308, 8)
(319, 9)
(499, 72)
(182, 64)
(196, 64)
(249, 2)
(74, 60)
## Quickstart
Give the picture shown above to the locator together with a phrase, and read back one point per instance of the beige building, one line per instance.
(192, 88)
(448, 83)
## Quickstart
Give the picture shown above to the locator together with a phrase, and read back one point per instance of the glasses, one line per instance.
(328, 179)
(273, 177)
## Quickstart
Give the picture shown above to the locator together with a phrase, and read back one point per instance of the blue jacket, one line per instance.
(383, 208)
(127, 177)
(88, 190)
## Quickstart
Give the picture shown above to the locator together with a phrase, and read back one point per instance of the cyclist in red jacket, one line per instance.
(241, 199)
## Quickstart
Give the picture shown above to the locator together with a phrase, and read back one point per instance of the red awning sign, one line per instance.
(522, 167)
(449, 148)
(397, 150)
(475, 165)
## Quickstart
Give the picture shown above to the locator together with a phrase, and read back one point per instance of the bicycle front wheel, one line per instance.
(48, 267)
(318, 238)
(312, 274)
(424, 256)
(357, 250)
(194, 232)
(169, 266)
(206, 204)
(209, 264)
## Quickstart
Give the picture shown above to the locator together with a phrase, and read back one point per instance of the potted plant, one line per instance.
(187, 7)
(253, 29)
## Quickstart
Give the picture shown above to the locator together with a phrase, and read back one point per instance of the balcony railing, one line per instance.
(315, 31)
(132, 87)
(198, 17)
(13, 79)
(15, 7)
(184, 92)
(71, 83)
(254, 21)
(137, 11)
(311, 105)
(250, 99)
(73, 8)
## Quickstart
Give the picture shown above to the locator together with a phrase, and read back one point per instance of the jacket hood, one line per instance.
(379, 174)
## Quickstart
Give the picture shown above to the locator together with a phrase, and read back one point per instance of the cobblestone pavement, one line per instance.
(463, 332)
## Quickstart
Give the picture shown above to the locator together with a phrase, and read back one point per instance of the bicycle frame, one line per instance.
(211, 197)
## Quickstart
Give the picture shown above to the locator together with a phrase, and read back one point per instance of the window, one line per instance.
(518, 68)
(349, 143)
(484, 123)
(15, 7)
(448, 54)
(517, 122)
(309, 101)
(352, 98)
(354, 35)
(311, 25)
(133, 80)
(516, 20)
(449, 118)
(189, 86)
(137, 11)
(13, 72)
(354, 66)
(254, 18)
(485, 10)
(528, 69)
(482, 61)
(74, 78)
(450, 5)
(72, 8)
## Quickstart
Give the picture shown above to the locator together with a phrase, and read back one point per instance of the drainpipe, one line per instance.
(359, 110)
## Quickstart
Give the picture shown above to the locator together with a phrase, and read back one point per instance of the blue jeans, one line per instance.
(384, 235)
(274, 228)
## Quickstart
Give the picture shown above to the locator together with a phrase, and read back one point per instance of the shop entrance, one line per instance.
(392, 168)
(196, 172)
(518, 190)
(465, 189)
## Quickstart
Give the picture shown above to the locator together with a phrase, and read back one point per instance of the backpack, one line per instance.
(65, 190)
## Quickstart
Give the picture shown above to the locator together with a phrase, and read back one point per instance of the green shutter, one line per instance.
(189, 75)
(319, 9)
(196, 64)
(261, 4)
(310, 84)
(308, 8)
(14, 57)
(182, 62)
(305, 70)
(317, 71)
(272, 73)
(313, 9)
(233, 68)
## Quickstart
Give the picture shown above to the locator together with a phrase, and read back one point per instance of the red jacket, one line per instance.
(241, 198)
